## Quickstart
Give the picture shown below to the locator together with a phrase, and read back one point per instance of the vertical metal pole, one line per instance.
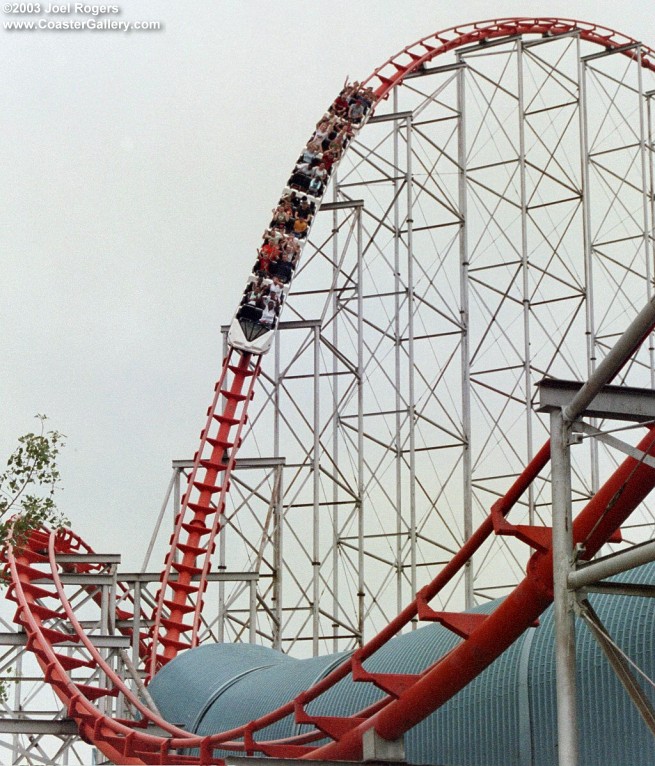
(136, 626)
(222, 566)
(411, 362)
(651, 197)
(225, 346)
(18, 703)
(104, 630)
(222, 615)
(65, 752)
(277, 558)
(645, 198)
(276, 399)
(397, 350)
(590, 329)
(278, 504)
(252, 612)
(112, 601)
(316, 552)
(525, 266)
(117, 704)
(565, 673)
(336, 606)
(361, 582)
(469, 599)
(104, 610)
(176, 502)
(222, 554)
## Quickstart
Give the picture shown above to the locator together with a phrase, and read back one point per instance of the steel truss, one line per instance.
(490, 227)
(34, 726)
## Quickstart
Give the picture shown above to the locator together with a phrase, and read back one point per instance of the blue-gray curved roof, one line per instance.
(505, 717)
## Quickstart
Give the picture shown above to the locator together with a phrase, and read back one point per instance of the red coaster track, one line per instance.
(50, 622)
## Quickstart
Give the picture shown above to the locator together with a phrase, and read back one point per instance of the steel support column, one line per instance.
(465, 354)
(563, 558)
(278, 559)
(525, 283)
(567, 726)
(411, 308)
(651, 210)
(361, 579)
(646, 203)
(398, 440)
(335, 418)
(588, 246)
(316, 488)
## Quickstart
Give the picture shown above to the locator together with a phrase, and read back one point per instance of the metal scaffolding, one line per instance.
(489, 228)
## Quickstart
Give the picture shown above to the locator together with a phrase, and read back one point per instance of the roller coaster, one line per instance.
(38, 571)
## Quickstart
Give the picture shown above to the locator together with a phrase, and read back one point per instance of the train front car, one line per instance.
(253, 327)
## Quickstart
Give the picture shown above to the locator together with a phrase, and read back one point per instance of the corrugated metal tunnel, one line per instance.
(506, 717)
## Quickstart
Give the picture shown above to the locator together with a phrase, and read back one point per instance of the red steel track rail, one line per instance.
(415, 56)
(49, 621)
(184, 578)
(48, 618)
(62, 647)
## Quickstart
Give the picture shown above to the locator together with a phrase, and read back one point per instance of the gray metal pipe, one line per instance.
(612, 565)
(631, 339)
(564, 633)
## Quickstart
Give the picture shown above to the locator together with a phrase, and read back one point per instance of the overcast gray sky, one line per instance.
(138, 172)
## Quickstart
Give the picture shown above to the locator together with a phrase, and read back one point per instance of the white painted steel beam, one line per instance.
(614, 402)
(608, 566)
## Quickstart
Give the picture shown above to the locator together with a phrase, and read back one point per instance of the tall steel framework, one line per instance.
(491, 226)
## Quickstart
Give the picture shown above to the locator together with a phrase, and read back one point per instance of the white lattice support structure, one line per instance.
(466, 254)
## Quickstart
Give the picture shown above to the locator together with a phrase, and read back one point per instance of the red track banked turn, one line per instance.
(49, 620)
